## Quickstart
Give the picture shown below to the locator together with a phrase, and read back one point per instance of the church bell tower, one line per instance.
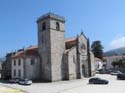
(51, 46)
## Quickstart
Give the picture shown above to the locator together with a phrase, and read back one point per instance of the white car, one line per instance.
(25, 82)
(115, 73)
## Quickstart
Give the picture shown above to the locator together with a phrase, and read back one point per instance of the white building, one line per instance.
(110, 59)
(25, 64)
(98, 64)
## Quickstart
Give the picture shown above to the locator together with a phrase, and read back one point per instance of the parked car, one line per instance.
(25, 82)
(98, 81)
(103, 71)
(15, 80)
(116, 72)
(97, 72)
(100, 71)
(121, 76)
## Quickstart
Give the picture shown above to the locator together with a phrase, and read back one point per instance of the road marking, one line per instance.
(9, 90)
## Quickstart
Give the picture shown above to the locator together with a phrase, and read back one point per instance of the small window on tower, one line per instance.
(44, 26)
(57, 26)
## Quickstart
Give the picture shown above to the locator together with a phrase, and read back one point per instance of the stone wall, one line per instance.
(72, 63)
(57, 50)
(32, 70)
(51, 45)
(93, 69)
(44, 50)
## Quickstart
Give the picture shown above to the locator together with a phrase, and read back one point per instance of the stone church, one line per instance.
(55, 58)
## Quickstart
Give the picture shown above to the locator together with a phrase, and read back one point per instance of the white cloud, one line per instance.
(117, 42)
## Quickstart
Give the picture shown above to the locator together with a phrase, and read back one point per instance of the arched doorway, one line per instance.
(83, 70)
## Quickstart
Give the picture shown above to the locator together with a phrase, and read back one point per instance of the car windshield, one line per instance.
(97, 78)
(26, 79)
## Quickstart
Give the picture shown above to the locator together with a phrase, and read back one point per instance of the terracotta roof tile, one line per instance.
(21, 53)
(33, 47)
(17, 54)
(70, 39)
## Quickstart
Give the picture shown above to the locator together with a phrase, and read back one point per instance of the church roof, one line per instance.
(19, 53)
(22, 52)
(32, 47)
(32, 50)
(70, 39)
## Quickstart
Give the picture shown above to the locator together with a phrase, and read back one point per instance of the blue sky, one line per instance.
(102, 20)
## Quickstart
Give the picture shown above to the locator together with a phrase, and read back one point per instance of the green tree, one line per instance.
(118, 63)
(114, 63)
(97, 49)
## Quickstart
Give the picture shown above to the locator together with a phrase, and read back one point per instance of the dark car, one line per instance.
(103, 71)
(15, 80)
(98, 81)
(121, 76)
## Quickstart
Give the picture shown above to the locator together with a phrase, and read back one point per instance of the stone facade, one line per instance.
(72, 63)
(93, 68)
(55, 52)
(55, 57)
(32, 68)
(51, 46)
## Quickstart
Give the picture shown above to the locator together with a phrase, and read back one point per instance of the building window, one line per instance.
(44, 26)
(14, 62)
(19, 73)
(19, 62)
(14, 72)
(32, 61)
(57, 26)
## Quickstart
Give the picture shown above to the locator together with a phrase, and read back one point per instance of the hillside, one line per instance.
(118, 51)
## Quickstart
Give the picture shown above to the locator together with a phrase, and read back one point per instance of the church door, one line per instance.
(83, 70)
